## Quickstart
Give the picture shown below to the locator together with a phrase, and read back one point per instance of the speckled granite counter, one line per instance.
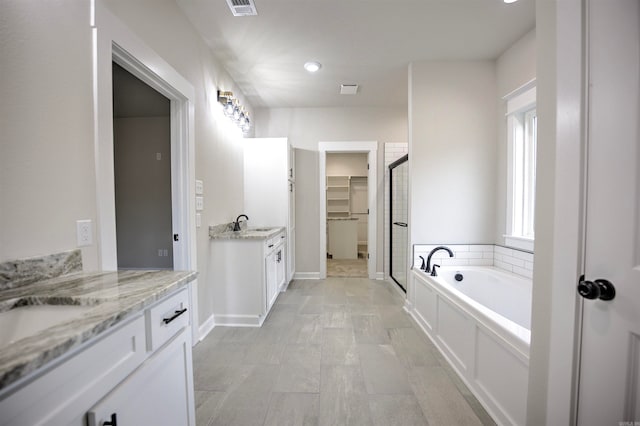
(246, 234)
(115, 296)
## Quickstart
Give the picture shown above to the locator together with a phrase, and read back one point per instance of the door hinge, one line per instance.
(367, 255)
(176, 237)
(367, 211)
(367, 166)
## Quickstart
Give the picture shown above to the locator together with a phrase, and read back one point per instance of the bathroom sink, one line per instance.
(24, 321)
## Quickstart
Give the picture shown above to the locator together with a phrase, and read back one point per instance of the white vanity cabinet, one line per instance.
(270, 188)
(138, 370)
(247, 276)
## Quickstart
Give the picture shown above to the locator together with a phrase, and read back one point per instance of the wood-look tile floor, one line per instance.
(340, 351)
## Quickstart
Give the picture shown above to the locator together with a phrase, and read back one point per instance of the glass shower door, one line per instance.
(399, 214)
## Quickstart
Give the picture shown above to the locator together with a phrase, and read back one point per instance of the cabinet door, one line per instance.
(280, 267)
(271, 284)
(160, 392)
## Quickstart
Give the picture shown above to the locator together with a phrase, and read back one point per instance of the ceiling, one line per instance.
(365, 42)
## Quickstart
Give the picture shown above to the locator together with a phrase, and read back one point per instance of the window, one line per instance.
(521, 185)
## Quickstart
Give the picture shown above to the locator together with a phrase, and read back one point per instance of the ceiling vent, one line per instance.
(348, 89)
(242, 7)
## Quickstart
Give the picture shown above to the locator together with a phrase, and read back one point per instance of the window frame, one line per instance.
(520, 196)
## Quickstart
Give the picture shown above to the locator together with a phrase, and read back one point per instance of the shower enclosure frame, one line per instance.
(398, 162)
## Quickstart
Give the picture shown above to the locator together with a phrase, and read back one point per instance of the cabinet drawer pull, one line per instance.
(177, 314)
(112, 422)
(270, 245)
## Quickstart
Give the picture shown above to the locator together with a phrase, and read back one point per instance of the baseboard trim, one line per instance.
(205, 328)
(379, 276)
(306, 276)
(239, 320)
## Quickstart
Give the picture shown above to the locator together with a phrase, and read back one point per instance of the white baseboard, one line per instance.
(239, 320)
(379, 276)
(205, 328)
(306, 276)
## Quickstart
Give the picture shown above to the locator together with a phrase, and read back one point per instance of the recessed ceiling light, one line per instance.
(312, 66)
(510, 1)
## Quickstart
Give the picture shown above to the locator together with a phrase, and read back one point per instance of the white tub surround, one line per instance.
(519, 262)
(481, 326)
(112, 296)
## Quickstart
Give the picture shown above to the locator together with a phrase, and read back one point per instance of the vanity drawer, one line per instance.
(166, 319)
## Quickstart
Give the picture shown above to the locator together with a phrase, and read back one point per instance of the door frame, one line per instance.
(112, 41)
(371, 149)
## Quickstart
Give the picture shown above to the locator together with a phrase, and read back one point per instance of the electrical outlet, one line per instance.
(84, 233)
(198, 220)
(199, 203)
(159, 252)
(199, 187)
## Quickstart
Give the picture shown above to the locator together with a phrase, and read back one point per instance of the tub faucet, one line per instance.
(428, 269)
(236, 224)
(433, 270)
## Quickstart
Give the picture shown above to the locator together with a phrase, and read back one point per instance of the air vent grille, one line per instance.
(242, 7)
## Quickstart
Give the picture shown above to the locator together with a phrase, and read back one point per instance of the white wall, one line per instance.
(347, 164)
(452, 152)
(305, 127)
(47, 178)
(514, 67)
(47, 171)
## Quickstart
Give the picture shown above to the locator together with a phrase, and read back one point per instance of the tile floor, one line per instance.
(340, 351)
(347, 268)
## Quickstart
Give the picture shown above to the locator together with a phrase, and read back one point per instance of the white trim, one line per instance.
(521, 243)
(113, 41)
(306, 276)
(379, 276)
(239, 320)
(524, 88)
(371, 148)
(207, 326)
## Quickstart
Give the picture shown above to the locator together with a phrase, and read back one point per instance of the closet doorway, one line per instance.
(370, 151)
(347, 214)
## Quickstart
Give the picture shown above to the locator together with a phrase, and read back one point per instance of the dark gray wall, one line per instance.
(142, 159)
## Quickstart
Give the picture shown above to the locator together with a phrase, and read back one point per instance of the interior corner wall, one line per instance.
(515, 67)
(47, 178)
(162, 25)
(305, 127)
(452, 152)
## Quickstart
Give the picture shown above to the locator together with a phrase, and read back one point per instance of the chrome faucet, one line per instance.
(428, 268)
(236, 224)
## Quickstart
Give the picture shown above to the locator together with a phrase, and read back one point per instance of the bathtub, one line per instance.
(481, 324)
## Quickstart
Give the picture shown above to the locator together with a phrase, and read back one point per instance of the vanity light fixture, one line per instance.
(232, 109)
(510, 1)
(312, 66)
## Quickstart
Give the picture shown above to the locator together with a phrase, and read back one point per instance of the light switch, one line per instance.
(199, 203)
(198, 220)
(199, 187)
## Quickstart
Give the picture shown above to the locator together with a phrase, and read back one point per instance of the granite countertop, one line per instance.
(113, 296)
(261, 233)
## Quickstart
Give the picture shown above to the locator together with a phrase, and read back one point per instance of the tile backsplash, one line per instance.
(509, 259)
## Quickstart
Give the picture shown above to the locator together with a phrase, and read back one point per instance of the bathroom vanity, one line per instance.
(248, 273)
(124, 357)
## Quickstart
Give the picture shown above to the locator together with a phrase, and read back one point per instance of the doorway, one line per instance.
(142, 172)
(347, 214)
(368, 150)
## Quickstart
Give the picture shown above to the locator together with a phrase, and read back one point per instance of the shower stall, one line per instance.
(398, 216)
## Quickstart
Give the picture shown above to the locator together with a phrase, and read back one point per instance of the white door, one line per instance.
(609, 387)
